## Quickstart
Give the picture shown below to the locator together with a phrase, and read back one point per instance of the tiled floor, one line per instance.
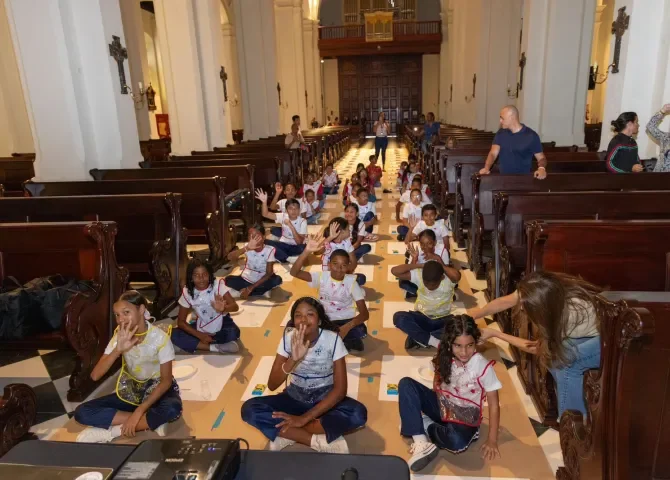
(529, 449)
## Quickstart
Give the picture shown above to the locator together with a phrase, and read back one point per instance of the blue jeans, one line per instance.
(364, 249)
(314, 219)
(284, 250)
(380, 144)
(402, 232)
(359, 331)
(368, 216)
(100, 411)
(344, 417)
(420, 327)
(570, 379)
(187, 342)
(276, 231)
(409, 287)
(414, 399)
(378, 184)
(238, 283)
(330, 190)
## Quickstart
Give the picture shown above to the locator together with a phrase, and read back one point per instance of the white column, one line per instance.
(133, 28)
(318, 80)
(290, 61)
(430, 72)
(175, 24)
(331, 88)
(255, 35)
(208, 29)
(446, 59)
(312, 71)
(229, 60)
(644, 69)
(15, 134)
(553, 99)
(79, 118)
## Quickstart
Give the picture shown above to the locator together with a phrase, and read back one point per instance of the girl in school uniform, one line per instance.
(350, 188)
(209, 301)
(311, 183)
(412, 209)
(313, 410)
(313, 208)
(339, 292)
(405, 197)
(428, 249)
(257, 277)
(449, 415)
(330, 180)
(289, 192)
(401, 175)
(337, 237)
(147, 396)
(357, 231)
(412, 171)
(293, 226)
(367, 185)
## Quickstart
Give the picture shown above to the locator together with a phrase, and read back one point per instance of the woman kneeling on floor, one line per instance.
(147, 396)
(449, 415)
(313, 409)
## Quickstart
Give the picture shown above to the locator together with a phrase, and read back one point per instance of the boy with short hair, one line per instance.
(367, 211)
(313, 208)
(428, 220)
(330, 180)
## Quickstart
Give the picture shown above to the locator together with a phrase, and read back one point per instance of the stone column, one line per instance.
(79, 118)
(558, 48)
(255, 35)
(643, 82)
(312, 71)
(229, 60)
(176, 28)
(318, 80)
(446, 59)
(290, 61)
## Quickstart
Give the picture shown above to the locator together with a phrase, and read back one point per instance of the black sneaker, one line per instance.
(401, 238)
(355, 344)
(410, 296)
(411, 344)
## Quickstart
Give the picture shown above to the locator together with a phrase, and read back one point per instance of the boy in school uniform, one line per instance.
(428, 221)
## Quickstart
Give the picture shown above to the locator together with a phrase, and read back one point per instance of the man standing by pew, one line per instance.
(515, 145)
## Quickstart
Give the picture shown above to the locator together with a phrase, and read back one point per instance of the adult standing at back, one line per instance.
(381, 129)
(514, 146)
(431, 132)
(622, 155)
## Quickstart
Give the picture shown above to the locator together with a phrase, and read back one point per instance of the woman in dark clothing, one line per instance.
(622, 156)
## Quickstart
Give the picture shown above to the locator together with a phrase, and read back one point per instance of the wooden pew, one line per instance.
(82, 250)
(16, 170)
(621, 255)
(204, 210)
(151, 242)
(625, 433)
(484, 187)
(18, 412)
(156, 149)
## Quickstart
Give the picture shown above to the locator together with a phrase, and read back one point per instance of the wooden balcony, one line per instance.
(408, 37)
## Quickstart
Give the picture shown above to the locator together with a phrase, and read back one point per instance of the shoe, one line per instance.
(401, 238)
(410, 296)
(280, 443)
(422, 454)
(95, 435)
(228, 347)
(234, 293)
(161, 431)
(268, 294)
(320, 444)
(355, 344)
(411, 344)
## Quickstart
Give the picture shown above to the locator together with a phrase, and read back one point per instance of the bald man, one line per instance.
(514, 146)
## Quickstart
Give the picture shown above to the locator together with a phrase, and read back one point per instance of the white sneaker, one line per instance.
(280, 443)
(320, 444)
(228, 347)
(234, 293)
(95, 435)
(268, 294)
(426, 422)
(422, 454)
(161, 431)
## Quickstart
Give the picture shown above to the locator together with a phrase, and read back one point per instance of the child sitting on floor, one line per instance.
(428, 249)
(428, 221)
(257, 277)
(405, 197)
(311, 183)
(412, 171)
(410, 210)
(330, 180)
(367, 211)
(313, 409)
(289, 192)
(339, 291)
(338, 237)
(313, 208)
(449, 415)
(350, 189)
(357, 231)
(401, 174)
(293, 228)
(435, 290)
(374, 172)
(367, 185)
(147, 396)
(209, 302)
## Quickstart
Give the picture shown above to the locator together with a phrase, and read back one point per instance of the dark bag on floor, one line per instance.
(20, 315)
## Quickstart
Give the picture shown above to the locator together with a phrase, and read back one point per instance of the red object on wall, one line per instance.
(163, 125)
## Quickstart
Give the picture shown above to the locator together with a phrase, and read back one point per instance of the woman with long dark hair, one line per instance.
(622, 155)
(382, 130)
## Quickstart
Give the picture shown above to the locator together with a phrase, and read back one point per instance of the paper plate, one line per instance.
(184, 371)
(426, 372)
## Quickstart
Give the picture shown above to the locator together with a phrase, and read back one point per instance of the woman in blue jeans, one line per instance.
(562, 308)
(382, 130)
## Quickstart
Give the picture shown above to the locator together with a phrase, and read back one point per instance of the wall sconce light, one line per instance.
(596, 78)
(138, 98)
(511, 93)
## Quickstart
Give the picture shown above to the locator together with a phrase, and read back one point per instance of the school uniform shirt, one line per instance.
(316, 187)
(281, 205)
(255, 266)
(288, 141)
(432, 303)
(411, 210)
(374, 172)
(331, 247)
(361, 231)
(467, 389)
(337, 297)
(330, 180)
(440, 251)
(410, 176)
(438, 227)
(311, 207)
(425, 195)
(364, 209)
(144, 360)
(209, 320)
(349, 192)
(299, 223)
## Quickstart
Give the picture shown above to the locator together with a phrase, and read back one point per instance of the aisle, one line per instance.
(227, 381)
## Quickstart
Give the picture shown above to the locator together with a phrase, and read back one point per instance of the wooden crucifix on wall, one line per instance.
(619, 27)
(474, 85)
(119, 53)
(522, 65)
(279, 93)
(451, 92)
(306, 102)
(224, 79)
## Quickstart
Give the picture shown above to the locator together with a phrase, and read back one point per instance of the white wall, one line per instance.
(430, 84)
(331, 88)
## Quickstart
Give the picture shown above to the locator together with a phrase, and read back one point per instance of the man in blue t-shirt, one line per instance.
(514, 146)
(430, 129)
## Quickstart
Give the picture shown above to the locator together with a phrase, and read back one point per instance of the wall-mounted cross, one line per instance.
(279, 93)
(224, 79)
(618, 28)
(306, 102)
(451, 92)
(474, 85)
(522, 65)
(119, 53)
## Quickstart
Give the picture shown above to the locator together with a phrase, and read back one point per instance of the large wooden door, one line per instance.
(369, 85)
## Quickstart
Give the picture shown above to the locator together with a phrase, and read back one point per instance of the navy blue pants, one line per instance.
(276, 231)
(419, 326)
(380, 145)
(364, 249)
(368, 216)
(409, 287)
(187, 342)
(414, 399)
(330, 190)
(284, 250)
(100, 411)
(359, 331)
(344, 417)
(402, 232)
(238, 283)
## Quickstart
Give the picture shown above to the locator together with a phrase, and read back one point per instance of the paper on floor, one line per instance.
(212, 373)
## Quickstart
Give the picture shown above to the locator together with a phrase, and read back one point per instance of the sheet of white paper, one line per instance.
(394, 368)
(393, 229)
(213, 372)
(396, 248)
(254, 312)
(390, 277)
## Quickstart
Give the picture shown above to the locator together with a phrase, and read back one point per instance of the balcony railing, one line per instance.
(400, 29)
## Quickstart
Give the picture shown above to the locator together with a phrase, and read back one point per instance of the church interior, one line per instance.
(140, 139)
